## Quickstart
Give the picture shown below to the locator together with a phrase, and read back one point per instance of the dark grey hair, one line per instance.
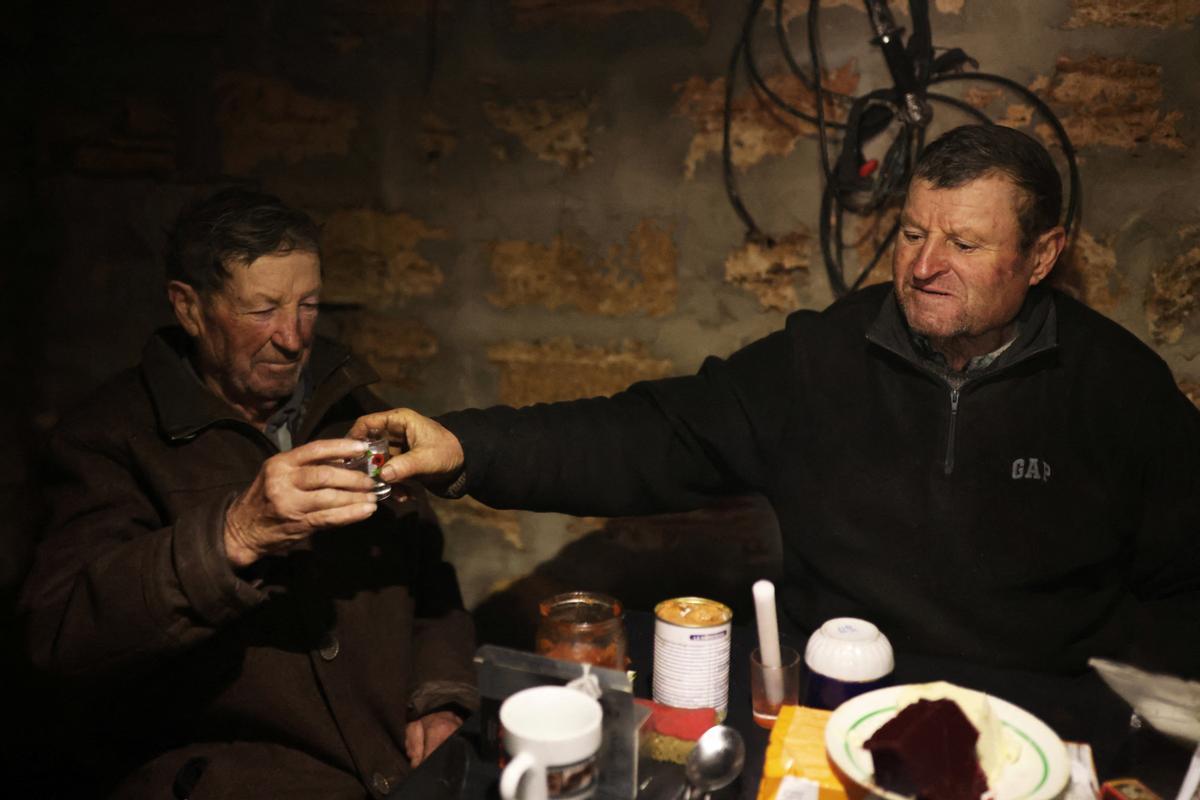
(964, 154)
(233, 227)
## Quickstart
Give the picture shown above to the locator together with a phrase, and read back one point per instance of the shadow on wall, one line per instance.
(716, 552)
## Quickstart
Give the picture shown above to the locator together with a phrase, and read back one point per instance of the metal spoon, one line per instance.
(715, 762)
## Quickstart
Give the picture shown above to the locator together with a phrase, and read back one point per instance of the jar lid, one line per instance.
(581, 608)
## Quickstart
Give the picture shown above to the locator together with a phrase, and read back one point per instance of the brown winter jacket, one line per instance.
(294, 679)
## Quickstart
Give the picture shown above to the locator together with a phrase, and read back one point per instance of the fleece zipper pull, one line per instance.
(948, 466)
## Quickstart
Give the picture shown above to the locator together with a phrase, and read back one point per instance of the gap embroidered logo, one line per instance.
(1030, 469)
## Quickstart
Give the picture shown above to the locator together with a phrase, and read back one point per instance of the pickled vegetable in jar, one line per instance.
(585, 627)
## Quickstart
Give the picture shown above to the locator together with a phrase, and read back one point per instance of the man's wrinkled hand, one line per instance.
(294, 495)
(422, 736)
(429, 452)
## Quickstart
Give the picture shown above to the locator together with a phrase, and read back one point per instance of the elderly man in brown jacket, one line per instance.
(228, 612)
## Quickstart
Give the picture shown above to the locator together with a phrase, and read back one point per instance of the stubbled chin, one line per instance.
(931, 315)
(276, 382)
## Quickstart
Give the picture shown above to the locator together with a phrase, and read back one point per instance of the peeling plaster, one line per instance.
(554, 130)
(1133, 13)
(980, 97)
(1088, 272)
(1109, 101)
(1173, 297)
(769, 271)
(533, 372)
(370, 258)
(640, 276)
(262, 118)
(758, 128)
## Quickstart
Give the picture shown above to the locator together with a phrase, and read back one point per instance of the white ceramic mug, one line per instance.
(552, 734)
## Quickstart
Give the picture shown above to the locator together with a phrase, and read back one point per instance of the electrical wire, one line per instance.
(853, 184)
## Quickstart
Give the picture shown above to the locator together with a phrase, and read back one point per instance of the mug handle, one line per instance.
(510, 778)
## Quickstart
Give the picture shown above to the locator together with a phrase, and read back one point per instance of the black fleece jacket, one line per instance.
(1046, 512)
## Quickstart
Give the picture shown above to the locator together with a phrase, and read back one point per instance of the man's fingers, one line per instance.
(340, 516)
(391, 422)
(406, 465)
(324, 450)
(313, 502)
(328, 476)
(414, 742)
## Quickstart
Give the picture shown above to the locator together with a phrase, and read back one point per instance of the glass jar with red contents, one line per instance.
(585, 627)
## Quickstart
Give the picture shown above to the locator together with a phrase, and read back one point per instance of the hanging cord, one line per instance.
(852, 183)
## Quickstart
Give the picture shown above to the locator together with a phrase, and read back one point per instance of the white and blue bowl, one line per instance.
(846, 657)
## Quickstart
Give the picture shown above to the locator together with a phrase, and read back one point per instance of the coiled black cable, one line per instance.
(849, 185)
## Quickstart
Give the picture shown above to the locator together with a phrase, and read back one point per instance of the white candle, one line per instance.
(768, 640)
(768, 626)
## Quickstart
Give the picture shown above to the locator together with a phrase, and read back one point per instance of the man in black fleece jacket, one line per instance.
(987, 469)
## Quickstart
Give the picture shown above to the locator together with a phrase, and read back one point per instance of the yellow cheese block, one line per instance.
(797, 747)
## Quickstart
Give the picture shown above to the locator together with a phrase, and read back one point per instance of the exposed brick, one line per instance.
(263, 118)
(553, 129)
(397, 347)
(1133, 13)
(370, 258)
(561, 370)
(980, 97)
(1088, 272)
(640, 276)
(1109, 101)
(469, 511)
(529, 14)
(1017, 115)
(759, 129)
(769, 271)
(1173, 297)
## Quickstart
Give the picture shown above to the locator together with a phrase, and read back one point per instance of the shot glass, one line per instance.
(374, 456)
(773, 687)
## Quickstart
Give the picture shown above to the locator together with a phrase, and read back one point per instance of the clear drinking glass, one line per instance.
(374, 456)
(773, 687)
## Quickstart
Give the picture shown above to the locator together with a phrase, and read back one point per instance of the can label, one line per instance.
(691, 653)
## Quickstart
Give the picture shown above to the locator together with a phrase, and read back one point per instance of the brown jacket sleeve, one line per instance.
(113, 585)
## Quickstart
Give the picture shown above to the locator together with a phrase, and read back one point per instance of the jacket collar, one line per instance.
(1038, 323)
(184, 406)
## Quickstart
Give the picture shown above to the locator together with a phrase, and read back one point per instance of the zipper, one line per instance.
(948, 465)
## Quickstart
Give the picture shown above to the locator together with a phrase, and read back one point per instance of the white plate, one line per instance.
(1040, 772)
